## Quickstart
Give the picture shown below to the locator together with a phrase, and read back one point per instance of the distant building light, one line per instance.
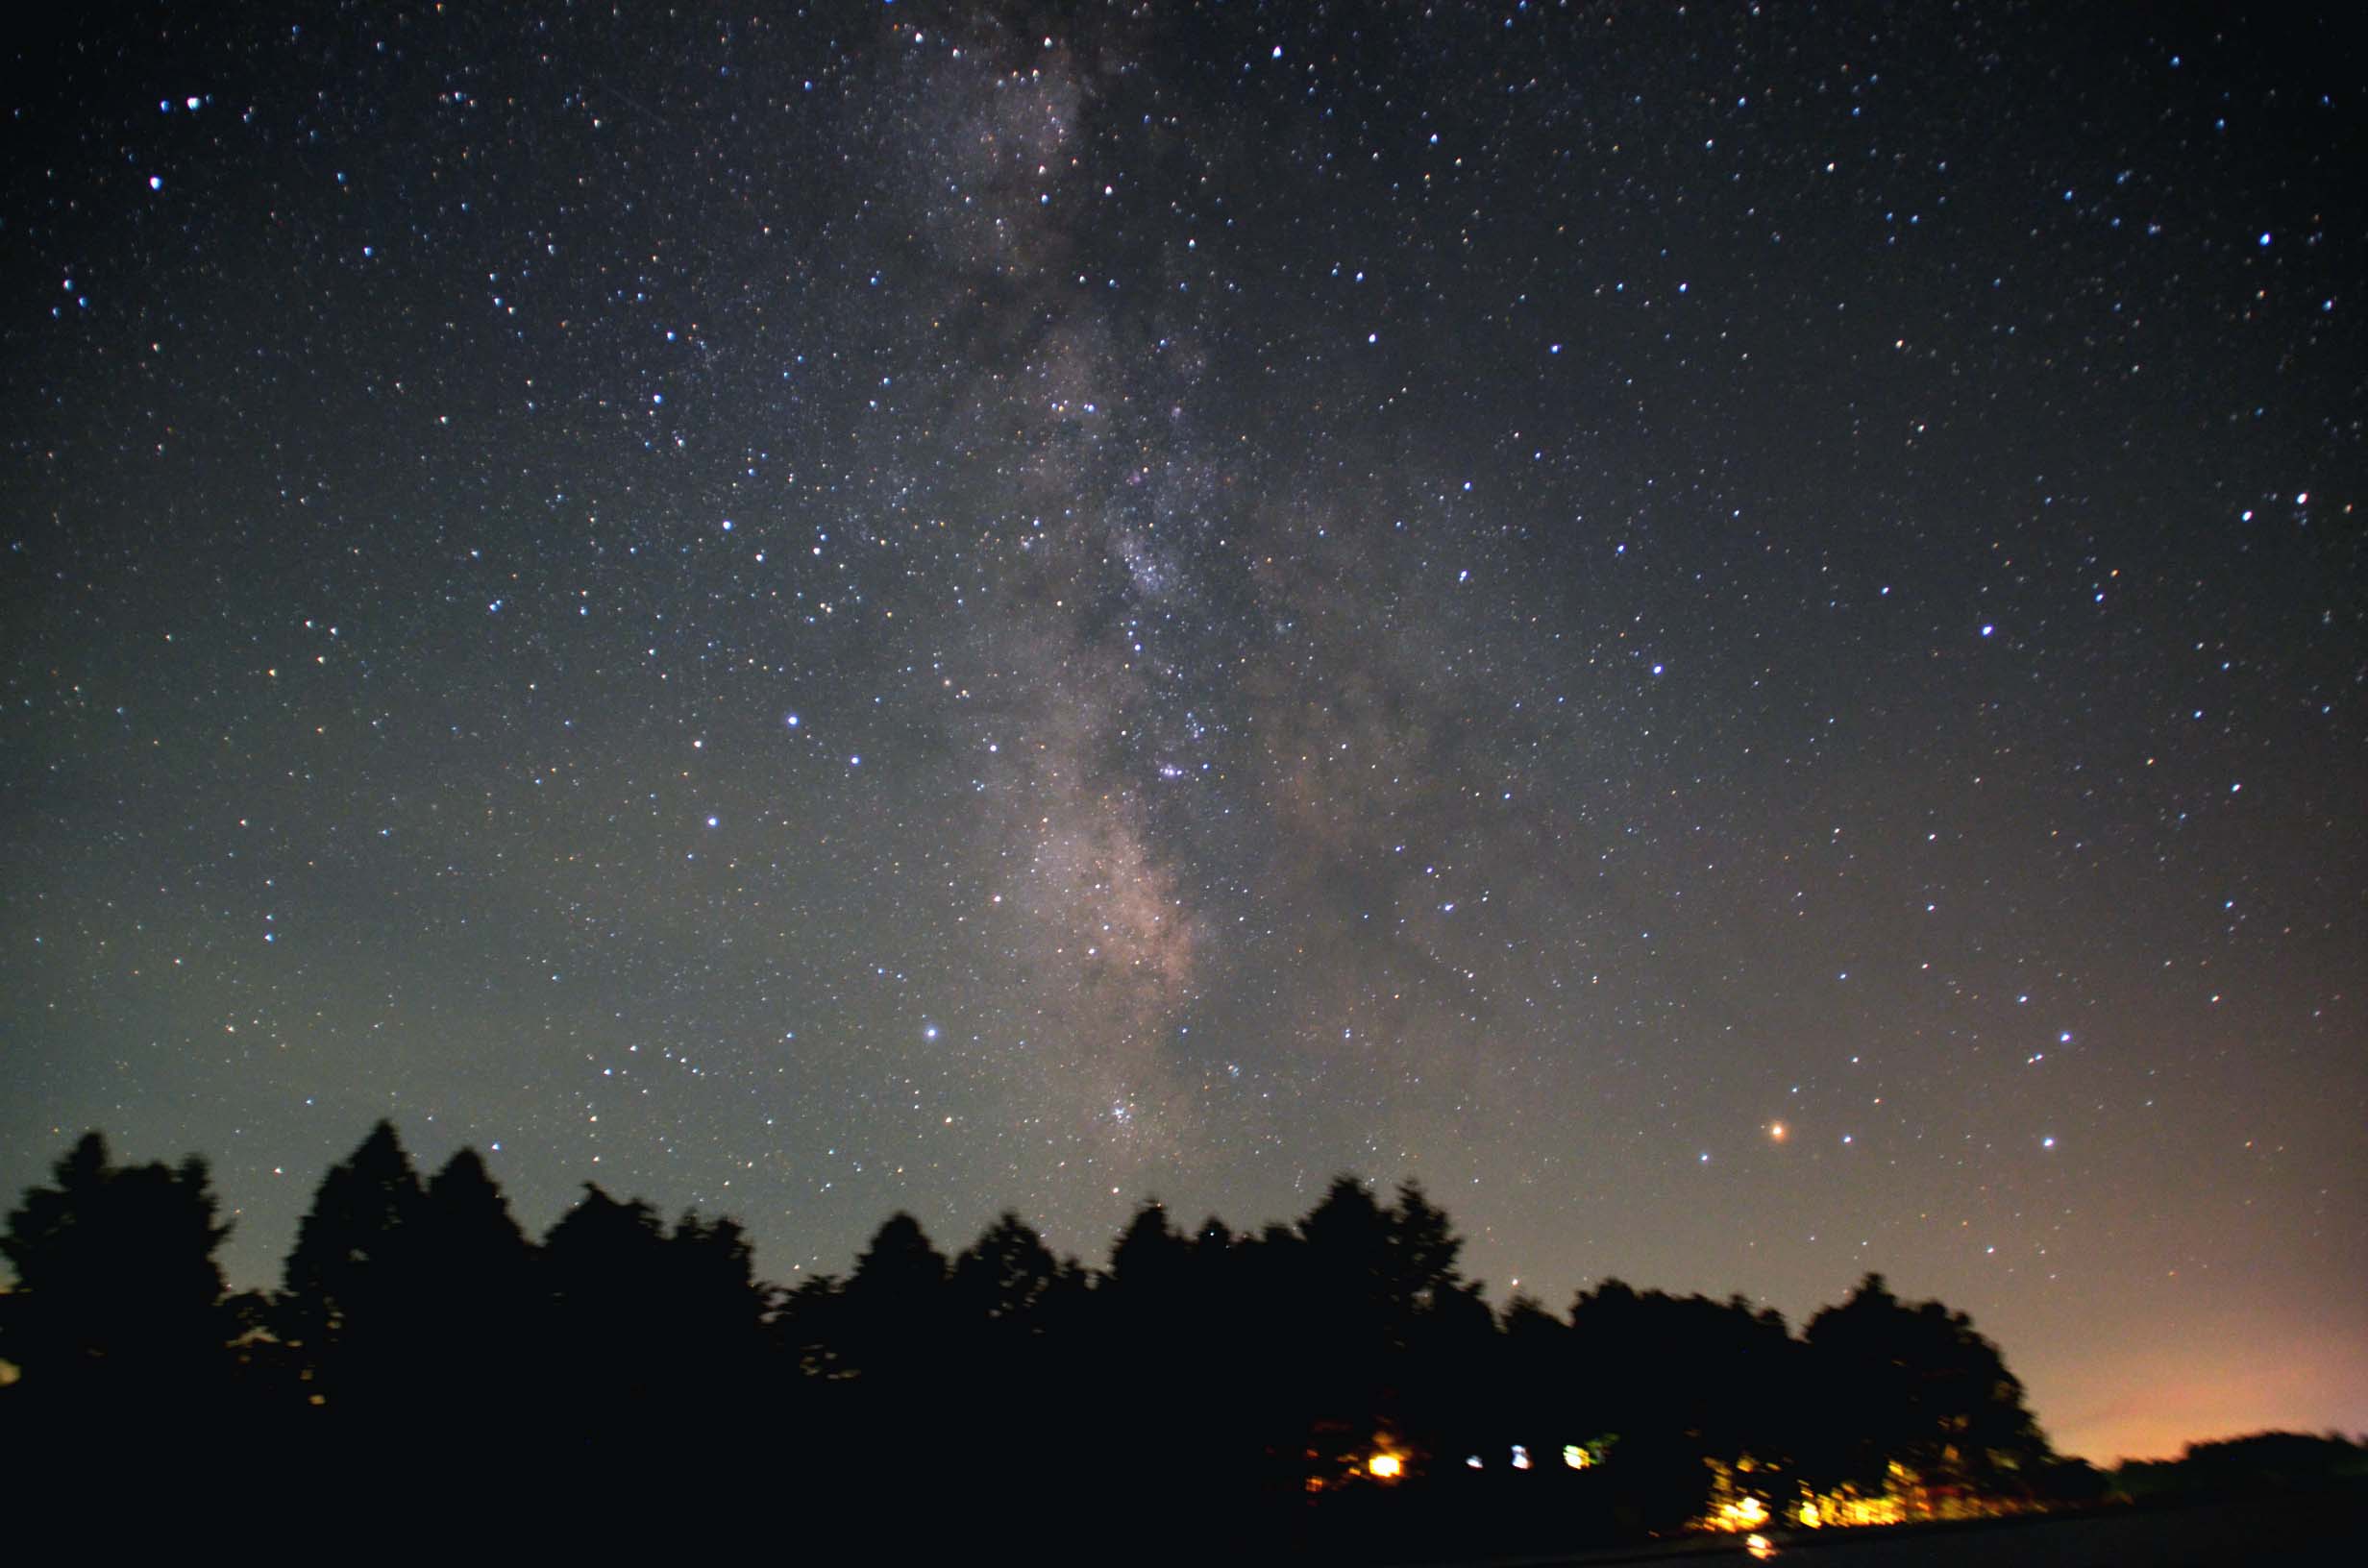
(1743, 1514)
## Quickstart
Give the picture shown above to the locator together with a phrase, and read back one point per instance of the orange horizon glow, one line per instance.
(2240, 1371)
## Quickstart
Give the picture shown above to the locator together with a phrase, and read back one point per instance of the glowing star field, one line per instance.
(1731, 633)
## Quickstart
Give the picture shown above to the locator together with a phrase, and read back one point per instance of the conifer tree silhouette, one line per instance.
(715, 1326)
(1149, 1260)
(1208, 1380)
(604, 1267)
(117, 1312)
(479, 1319)
(1005, 1280)
(350, 1306)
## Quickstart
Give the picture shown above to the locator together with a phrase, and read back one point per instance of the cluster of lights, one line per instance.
(1746, 1515)
(1849, 1510)
(1577, 1456)
(1839, 1509)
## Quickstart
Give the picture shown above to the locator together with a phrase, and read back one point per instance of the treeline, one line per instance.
(1334, 1385)
(2262, 1464)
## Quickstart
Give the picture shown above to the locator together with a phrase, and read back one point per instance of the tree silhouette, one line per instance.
(1420, 1253)
(1014, 1314)
(350, 1306)
(1915, 1386)
(1438, 1328)
(1237, 1387)
(478, 1316)
(118, 1310)
(715, 1311)
(1679, 1382)
(1342, 1326)
(604, 1267)
(893, 1312)
(1149, 1321)
(1149, 1260)
(1004, 1279)
(1539, 1402)
(2280, 1465)
(807, 1333)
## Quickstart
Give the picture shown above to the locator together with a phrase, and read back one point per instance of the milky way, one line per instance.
(1731, 635)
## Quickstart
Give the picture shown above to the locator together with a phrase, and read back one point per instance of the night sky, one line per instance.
(1732, 635)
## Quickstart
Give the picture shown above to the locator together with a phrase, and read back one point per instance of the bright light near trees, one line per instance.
(1743, 1514)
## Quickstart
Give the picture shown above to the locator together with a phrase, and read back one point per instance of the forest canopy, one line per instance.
(1338, 1373)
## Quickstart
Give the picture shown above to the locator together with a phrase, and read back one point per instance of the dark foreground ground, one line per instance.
(2310, 1530)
